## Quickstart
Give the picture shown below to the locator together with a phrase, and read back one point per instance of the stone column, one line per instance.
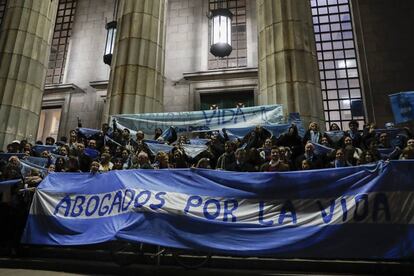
(25, 36)
(288, 69)
(137, 72)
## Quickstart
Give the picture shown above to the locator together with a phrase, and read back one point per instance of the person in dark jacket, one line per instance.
(275, 164)
(227, 158)
(241, 164)
(292, 140)
(315, 161)
(256, 138)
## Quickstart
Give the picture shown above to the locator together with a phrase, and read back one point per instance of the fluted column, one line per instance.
(137, 72)
(288, 70)
(25, 36)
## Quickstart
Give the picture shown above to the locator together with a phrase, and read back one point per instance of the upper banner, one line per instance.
(402, 105)
(204, 120)
(356, 212)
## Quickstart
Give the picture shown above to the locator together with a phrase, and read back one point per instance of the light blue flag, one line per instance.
(88, 132)
(193, 150)
(107, 139)
(26, 167)
(321, 149)
(6, 156)
(39, 161)
(294, 118)
(92, 153)
(155, 148)
(41, 148)
(386, 152)
(402, 105)
(335, 136)
(168, 135)
(199, 141)
(10, 182)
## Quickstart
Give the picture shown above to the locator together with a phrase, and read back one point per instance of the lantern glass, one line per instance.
(221, 29)
(110, 42)
(220, 21)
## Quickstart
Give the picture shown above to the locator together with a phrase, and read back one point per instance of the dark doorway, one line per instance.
(226, 99)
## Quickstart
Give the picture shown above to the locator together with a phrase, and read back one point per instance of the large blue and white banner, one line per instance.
(204, 120)
(355, 212)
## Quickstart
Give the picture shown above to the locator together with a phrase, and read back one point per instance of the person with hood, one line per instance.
(292, 140)
(256, 138)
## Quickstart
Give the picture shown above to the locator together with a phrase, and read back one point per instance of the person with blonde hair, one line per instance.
(313, 134)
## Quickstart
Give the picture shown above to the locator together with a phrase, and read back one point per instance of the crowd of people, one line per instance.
(259, 151)
(98, 151)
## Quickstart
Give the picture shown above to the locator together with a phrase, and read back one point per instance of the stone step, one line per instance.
(102, 255)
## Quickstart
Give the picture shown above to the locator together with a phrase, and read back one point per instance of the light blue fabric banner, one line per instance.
(321, 149)
(10, 182)
(199, 141)
(39, 161)
(108, 140)
(88, 132)
(27, 166)
(363, 212)
(205, 120)
(41, 148)
(335, 136)
(193, 150)
(402, 105)
(239, 133)
(294, 118)
(6, 156)
(157, 147)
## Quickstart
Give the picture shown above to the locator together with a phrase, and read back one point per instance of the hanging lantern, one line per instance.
(220, 25)
(110, 42)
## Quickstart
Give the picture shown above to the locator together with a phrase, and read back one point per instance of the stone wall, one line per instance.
(187, 53)
(85, 65)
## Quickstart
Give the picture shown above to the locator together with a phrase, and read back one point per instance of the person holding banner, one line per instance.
(241, 164)
(266, 149)
(106, 164)
(60, 164)
(256, 138)
(354, 134)
(407, 153)
(143, 161)
(178, 159)
(315, 161)
(334, 127)
(367, 157)
(162, 161)
(227, 158)
(312, 134)
(292, 140)
(340, 160)
(352, 153)
(275, 164)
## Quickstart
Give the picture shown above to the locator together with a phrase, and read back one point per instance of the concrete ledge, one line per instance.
(62, 88)
(221, 74)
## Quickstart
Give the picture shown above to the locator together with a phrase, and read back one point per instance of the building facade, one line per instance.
(315, 57)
